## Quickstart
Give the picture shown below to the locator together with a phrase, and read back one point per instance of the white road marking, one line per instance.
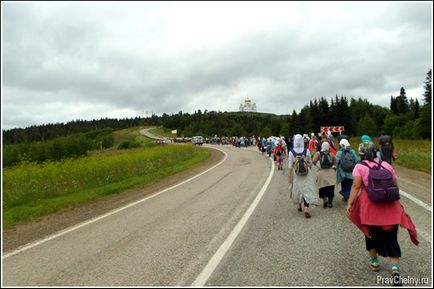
(420, 233)
(203, 277)
(416, 200)
(66, 231)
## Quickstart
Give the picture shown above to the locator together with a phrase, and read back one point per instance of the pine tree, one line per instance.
(393, 105)
(414, 108)
(402, 102)
(427, 95)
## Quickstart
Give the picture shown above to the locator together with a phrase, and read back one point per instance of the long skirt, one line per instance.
(385, 242)
(279, 160)
(328, 192)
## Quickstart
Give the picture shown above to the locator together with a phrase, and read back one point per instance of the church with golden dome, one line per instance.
(248, 105)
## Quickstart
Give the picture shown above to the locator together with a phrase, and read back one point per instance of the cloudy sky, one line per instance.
(66, 61)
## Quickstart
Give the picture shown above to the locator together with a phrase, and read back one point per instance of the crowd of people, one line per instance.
(316, 170)
(373, 207)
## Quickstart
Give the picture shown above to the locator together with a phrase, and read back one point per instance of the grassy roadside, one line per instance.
(412, 154)
(31, 190)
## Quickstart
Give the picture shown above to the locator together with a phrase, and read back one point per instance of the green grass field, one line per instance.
(412, 154)
(31, 190)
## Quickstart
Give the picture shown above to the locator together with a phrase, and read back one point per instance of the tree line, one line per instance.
(72, 146)
(405, 118)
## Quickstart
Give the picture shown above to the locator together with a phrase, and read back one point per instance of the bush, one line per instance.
(128, 144)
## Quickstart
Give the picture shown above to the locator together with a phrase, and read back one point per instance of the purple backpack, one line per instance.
(381, 188)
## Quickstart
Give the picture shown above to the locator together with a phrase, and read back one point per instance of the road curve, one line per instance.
(169, 239)
(149, 134)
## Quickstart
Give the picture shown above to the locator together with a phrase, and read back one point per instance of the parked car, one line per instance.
(197, 140)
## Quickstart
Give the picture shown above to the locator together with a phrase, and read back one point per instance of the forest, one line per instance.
(404, 119)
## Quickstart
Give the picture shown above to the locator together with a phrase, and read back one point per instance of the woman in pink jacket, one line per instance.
(378, 221)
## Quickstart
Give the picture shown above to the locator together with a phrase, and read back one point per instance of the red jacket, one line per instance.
(365, 213)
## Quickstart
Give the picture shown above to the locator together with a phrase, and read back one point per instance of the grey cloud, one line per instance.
(281, 68)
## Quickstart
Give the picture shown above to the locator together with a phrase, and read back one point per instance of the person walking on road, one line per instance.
(326, 176)
(367, 139)
(312, 143)
(324, 139)
(386, 147)
(300, 176)
(259, 143)
(346, 159)
(264, 145)
(279, 153)
(378, 221)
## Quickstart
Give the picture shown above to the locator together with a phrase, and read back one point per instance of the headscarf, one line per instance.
(366, 138)
(325, 147)
(344, 143)
(298, 143)
(367, 150)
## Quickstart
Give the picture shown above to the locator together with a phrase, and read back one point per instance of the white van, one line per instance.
(197, 140)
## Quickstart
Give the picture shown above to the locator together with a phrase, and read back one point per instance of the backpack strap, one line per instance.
(377, 165)
(365, 164)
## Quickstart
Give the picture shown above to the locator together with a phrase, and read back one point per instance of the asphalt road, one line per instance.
(150, 135)
(169, 239)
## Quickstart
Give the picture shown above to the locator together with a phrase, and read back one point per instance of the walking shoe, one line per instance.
(299, 208)
(396, 276)
(307, 215)
(373, 264)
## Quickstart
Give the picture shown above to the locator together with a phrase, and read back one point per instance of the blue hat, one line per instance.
(366, 138)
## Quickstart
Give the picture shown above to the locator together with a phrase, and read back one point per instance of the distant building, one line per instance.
(248, 105)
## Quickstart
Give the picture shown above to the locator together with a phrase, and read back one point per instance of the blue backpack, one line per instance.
(300, 166)
(348, 161)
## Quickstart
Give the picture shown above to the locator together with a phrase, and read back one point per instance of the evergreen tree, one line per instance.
(324, 112)
(315, 115)
(393, 105)
(414, 108)
(422, 126)
(402, 102)
(344, 113)
(427, 95)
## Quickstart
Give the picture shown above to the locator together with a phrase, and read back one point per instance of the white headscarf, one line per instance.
(325, 147)
(344, 143)
(298, 143)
